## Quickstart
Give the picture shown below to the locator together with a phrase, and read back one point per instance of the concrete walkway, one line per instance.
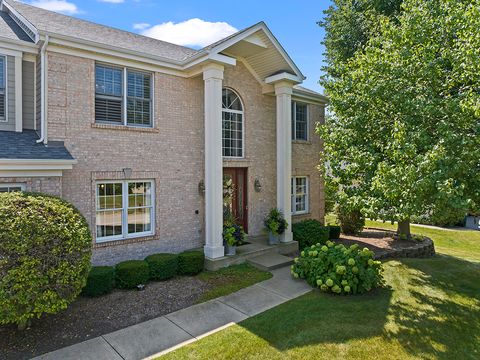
(166, 333)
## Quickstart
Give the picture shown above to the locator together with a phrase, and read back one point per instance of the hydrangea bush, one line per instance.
(337, 269)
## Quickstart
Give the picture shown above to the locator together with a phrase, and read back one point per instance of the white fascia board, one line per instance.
(309, 97)
(260, 26)
(18, 45)
(111, 50)
(30, 173)
(218, 58)
(35, 164)
(284, 76)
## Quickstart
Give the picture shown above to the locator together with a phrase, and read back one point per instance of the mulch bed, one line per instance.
(87, 318)
(380, 242)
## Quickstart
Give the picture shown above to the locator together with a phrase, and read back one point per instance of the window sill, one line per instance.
(124, 128)
(302, 142)
(124, 241)
(302, 214)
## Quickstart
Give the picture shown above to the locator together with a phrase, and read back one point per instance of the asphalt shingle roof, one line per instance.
(23, 146)
(10, 30)
(53, 22)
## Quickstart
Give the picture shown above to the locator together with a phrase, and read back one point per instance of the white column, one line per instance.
(213, 76)
(283, 92)
(18, 94)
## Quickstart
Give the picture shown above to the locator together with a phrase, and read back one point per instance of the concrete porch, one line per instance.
(257, 249)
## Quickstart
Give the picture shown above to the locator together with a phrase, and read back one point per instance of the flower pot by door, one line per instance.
(273, 239)
(230, 250)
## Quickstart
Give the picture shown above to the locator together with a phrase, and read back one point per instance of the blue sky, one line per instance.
(292, 22)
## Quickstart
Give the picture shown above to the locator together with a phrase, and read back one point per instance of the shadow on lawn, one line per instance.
(433, 312)
(441, 316)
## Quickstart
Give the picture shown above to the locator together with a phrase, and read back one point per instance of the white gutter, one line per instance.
(43, 111)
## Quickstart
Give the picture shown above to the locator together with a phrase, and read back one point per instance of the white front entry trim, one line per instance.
(283, 92)
(213, 77)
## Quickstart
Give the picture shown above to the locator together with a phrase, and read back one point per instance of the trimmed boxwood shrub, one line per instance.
(129, 274)
(162, 266)
(100, 281)
(337, 269)
(45, 251)
(334, 233)
(190, 262)
(309, 232)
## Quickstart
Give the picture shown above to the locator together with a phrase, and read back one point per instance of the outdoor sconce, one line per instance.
(127, 173)
(201, 187)
(257, 185)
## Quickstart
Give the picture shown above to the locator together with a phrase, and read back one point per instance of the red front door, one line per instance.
(238, 207)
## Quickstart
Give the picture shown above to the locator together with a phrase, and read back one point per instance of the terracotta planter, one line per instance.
(273, 239)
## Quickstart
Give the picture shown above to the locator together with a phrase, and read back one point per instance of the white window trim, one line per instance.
(243, 124)
(294, 120)
(125, 96)
(4, 119)
(125, 235)
(294, 193)
(7, 186)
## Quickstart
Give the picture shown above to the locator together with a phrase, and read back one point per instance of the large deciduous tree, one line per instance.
(404, 139)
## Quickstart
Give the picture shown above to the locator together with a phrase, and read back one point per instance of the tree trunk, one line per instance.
(403, 229)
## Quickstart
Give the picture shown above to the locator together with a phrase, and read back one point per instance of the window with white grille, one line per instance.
(123, 96)
(232, 125)
(124, 209)
(299, 195)
(299, 121)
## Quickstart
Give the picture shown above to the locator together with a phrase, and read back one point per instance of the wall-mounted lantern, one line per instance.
(127, 173)
(257, 186)
(201, 187)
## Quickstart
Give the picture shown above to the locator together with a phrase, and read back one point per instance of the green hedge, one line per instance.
(129, 274)
(334, 233)
(45, 250)
(162, 266)
(100, 281)
(309, 232)
(190, 262)
(338, 269)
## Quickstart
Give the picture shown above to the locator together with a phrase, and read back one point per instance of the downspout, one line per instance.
(43, 102)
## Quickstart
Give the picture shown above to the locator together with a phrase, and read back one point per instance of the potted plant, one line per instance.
(275, 225)
(233, 235)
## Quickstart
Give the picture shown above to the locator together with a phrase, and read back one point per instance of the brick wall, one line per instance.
(172, 153)
(305, 159)
(47, 185)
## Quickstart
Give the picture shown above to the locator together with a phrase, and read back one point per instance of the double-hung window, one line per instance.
(123, 96)
(3, 91)
(124, 209)
(299, 121)
(299, 195)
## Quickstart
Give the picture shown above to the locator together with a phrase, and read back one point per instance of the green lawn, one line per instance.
(430, 309)
(228, 280)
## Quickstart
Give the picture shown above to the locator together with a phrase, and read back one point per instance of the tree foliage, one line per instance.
(349, 24)
(405, 133)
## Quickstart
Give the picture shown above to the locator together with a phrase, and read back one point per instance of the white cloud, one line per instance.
(61, 6)
(141, 26)
(113, 1)
(193, 32)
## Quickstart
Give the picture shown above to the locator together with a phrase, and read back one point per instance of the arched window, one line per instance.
(232, 124)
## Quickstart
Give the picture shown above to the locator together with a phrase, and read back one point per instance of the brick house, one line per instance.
(138, 133)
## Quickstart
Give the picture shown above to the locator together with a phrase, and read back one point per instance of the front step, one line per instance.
(270, 261)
